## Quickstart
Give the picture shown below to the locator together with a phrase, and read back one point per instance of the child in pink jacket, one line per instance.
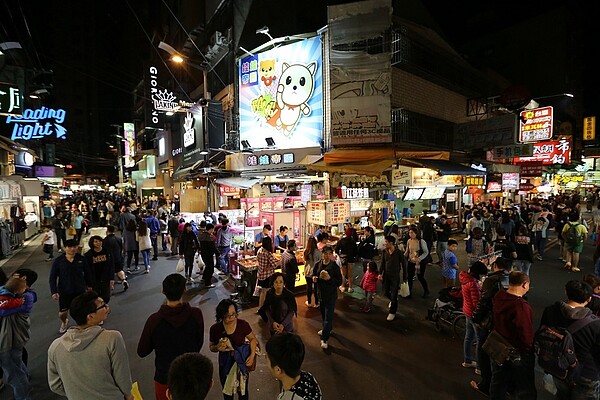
(369, 284)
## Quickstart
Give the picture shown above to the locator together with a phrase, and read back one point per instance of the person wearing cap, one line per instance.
(388, 224)
(70, 276)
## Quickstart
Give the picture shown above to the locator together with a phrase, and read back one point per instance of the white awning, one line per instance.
(237, 182)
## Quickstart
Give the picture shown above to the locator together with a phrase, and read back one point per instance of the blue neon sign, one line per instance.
(38, 123)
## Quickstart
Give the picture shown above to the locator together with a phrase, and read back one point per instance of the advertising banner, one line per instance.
(361, 83)
(510, 180)
(401, 176)
(531, 169)
(129, 136)
(281, 96)
(155, 92)
(589, 128)
(536, 125)
(38, 123)
(192, 136)
(549, 153)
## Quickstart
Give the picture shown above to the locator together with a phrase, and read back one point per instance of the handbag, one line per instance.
(499, 349)
(72, 231)
(426, 260)
(404, 290)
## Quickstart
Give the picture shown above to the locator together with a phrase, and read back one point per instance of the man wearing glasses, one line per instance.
(88, 361)
(70, 276)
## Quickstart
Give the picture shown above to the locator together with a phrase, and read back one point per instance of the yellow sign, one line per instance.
(589, 128)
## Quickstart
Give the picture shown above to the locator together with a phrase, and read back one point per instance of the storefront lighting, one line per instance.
(177, 58)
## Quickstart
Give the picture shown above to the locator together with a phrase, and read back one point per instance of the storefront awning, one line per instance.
(238, 182)
(500, 168)
(369, 168)
(347, 155)
(444, 167)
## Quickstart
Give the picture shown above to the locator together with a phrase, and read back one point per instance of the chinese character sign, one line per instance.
(510, 180)
(589, 128)
(129, 136)
(10, 99)
(536, 125)
(549, 153)
(281, 96)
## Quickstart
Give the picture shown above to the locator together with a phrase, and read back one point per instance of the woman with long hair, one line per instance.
(188, 246)
(416, 252)
(130, 245)
(142, 235)
(235, 342)
(311, 256)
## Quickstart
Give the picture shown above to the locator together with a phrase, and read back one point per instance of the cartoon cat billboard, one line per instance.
(295, 88)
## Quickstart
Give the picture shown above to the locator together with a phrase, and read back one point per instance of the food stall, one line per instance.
(294, 219)
(328, 213)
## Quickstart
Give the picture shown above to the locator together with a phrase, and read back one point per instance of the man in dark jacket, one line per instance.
(70, 276)
(172, 226)
(60, 228)
(125, 217)
(175, 329)
(328, 277)
(289, 266)
(208, 252)
(482, 318)
(346, 249)
(513, 320)
(392, 261)
(444, 231)
(585, 340)
(114, 245)
(154, 226)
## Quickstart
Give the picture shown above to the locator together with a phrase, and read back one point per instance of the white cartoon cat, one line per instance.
(295, 88)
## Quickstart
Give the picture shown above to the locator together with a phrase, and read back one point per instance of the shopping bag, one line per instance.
(72, 231)
(180, 265)
(199, 263)
(404, 290)
(135, 392)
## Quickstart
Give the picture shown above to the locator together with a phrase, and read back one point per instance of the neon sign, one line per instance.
(10, 99)
(37, 124)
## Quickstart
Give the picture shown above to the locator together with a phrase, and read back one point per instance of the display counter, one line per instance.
(248, 267)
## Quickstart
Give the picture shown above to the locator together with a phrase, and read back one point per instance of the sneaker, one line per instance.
(350, 290)
(575, 269)
(567, 266)
(477, 371)
(391, 317)
(125, 286)
(147, 271)
(324, 344)
(470, 364)
(137, 268)
(64, 326)
(539, 258)
(154, 258)
(342, 289)
(316, 306)
(308, 304)
(320, 332)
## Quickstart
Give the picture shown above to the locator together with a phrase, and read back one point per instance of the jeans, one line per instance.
(15, 373)
(154, 241)
(189, 263)
(327, 307)
(585, 389)
(61, 238)
(520, 374)
(146, 257)
(136, 258)
(471, 336)
(540, 243)
(312, 290)
(224, 258)
(440, 248)
(523, 266)
(412, 270)
(485, 364)
(390, 289)
(209, 269)
(78, 234)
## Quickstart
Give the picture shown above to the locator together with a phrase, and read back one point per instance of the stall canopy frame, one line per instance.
(444, 167)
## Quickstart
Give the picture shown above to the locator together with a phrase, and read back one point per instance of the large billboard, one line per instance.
(129, 142)
(281, 96)
(192, 136)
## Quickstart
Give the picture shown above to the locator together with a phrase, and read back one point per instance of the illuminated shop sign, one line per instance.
(129, 136)
(281, 96)
(10, 99)
(269, 159)
(38, 124)
(549, 153)
(536, 125)
(510, 180)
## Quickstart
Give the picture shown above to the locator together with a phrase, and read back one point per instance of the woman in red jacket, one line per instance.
(471, 292)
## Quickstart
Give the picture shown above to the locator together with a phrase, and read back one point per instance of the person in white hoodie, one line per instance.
(88, 361)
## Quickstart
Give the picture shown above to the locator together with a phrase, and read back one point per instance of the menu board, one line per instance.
(431, 193)
(315, 213)
(413, 194)
(337, 212)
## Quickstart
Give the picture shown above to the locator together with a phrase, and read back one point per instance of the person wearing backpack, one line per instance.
(583, 377)
(574, 234)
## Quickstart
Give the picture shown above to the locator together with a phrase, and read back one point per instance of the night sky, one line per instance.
(109, 64)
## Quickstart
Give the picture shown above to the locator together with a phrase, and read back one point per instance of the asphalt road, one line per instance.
(368, 357)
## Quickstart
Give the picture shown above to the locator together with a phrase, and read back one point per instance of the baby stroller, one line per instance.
(447, 311)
